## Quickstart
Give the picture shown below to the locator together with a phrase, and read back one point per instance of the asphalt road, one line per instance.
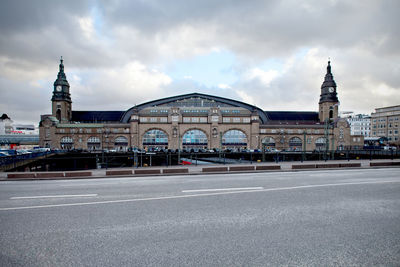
(307, 218)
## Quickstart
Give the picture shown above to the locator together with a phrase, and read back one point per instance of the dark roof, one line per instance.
(224, 100)
(292, 116)
(97, 116)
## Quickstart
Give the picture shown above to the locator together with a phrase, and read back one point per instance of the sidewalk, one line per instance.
(202, 169)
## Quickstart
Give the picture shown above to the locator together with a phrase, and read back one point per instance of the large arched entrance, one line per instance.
(320, 143)
(155, 140)
(234, 140)
(194, 139)
(268, 142)
(93, 143)
(295, 144)
(121, 143)
(67, 143)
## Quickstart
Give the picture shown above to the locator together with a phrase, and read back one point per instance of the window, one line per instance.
(246, 120)
(164, 119)
(143, 119)
(236, 119)
(234, 137)
(226, 119)
(194, 137)
(269, 141)
(203, 119)
(295, 143)
(320, 143)
(155, 137)
(195, 119)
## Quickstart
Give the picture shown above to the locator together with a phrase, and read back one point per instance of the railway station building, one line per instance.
(195, 120)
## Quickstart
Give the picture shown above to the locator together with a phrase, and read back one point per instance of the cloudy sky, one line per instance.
(272, 54)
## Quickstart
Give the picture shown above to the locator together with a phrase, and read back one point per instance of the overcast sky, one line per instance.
(272, 54)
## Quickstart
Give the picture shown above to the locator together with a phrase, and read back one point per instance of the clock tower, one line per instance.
(61, 100)
(328, 102)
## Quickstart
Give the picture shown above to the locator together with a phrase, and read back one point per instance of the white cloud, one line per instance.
(223, 86)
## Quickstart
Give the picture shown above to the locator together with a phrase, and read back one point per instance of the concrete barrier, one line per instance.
(215, 169)
(119, 172)
(148, 171)
(346, 165)
(49, 174)
(328, 165)
(304, 166)
(386, 163)
(21, 175)
(241, 168)
(179, 170)
(77, 174)
(268, 167)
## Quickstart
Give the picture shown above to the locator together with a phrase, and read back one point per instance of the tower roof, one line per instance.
(61, 77)
(328, 87)
(329, 81)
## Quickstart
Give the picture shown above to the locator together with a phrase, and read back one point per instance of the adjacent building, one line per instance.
(195, 120)
(385, 123)
(360, 124)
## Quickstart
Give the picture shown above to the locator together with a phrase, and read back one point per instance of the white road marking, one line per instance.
(222, 189)
(194, 195)
(55, 196)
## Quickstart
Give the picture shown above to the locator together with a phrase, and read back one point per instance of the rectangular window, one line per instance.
(153, 119)
(273, 131)
(203, 119)
(236, 119)
(246, 120)
(186, 119)
(226, 119)
(214, 118)
(163, 119)
(88, 130)
(143, 119)
(263, 130)
(99, 131)
(195, 119)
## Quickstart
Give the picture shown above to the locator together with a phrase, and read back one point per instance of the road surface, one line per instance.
(307, 218)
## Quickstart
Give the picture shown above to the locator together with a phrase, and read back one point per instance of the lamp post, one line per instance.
(179, 148)
(304, 146)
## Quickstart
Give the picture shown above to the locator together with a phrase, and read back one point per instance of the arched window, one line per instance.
(268, 141)
(295, 144)
(93, 143)
(155, 139)
(234, 138)
(194, 138)
(121, 143)
(320, 143)
(58, 114)
(67, 142)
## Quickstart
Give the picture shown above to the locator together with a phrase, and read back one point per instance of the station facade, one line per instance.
(195, 121)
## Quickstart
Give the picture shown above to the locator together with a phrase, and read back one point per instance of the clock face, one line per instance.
(58, 88)
(331, 89)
